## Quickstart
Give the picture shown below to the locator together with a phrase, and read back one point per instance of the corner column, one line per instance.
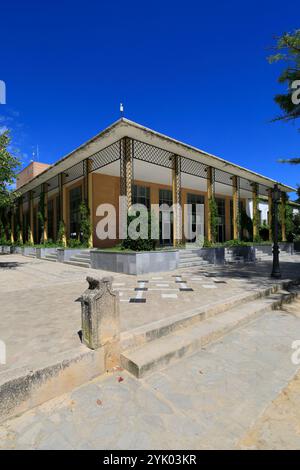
(31, 239)
(255, 210)
(283, 216)
(62, 209)
(235, 201)
(126, 170)
(89, 195)
(45, 191)
(210, 196)
(21, 219)
(12, 227)
(176, 196)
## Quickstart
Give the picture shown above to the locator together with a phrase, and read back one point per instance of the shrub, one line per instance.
(140, 244)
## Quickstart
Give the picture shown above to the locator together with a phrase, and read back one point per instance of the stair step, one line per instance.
(78, 263)
(80, 258)
(50, 259)
(157, 354)
(193, 263)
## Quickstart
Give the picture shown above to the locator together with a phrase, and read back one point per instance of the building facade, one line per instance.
(127, 159)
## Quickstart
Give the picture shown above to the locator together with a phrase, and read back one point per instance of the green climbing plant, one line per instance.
(85, 224)
(61, 234)
(213, 209)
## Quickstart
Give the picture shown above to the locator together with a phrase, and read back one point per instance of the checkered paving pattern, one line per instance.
(166, 287)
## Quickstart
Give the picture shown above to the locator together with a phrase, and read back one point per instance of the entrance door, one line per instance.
(165, 218)
(194, 225)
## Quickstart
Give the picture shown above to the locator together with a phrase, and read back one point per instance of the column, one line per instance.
(21, 219)
(12, 227)
(176, 197)
(235, 201)
(255, 210)
(45, 191)
(62, 208)
(90, 199)
(210, 196)
(270, 222)
(31, 223)
(283, 216)
(126, 170)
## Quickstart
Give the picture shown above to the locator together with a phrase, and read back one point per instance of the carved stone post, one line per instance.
(100, 319)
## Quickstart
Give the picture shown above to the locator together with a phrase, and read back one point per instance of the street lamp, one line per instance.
(276, 194)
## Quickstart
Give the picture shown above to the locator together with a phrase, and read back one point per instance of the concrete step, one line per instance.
(85, 259)
(82, 264)
(157, 354)
(191, 258)
(190, 264)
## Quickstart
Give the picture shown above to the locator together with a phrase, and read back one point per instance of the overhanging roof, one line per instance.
(126, 128)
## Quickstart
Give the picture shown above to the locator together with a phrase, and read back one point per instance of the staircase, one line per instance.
(51, 256)
(190, 258)
(263, 256)
(154, 346)
(81, 259)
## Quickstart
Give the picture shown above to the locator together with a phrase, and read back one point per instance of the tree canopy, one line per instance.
(9, 165)
(288, 51)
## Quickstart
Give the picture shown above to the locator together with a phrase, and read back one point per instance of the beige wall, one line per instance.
(30, 172)
(106, 190)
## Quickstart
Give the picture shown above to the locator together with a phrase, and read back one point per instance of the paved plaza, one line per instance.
(40, 317)
(222, 397)
(226, 395)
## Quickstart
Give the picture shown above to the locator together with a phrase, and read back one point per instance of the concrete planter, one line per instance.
(214, 255)
(64, 254)
(19, 250)
(297, 246)
(6, 249)
(287, 246)
(29, 251)
(245, 252)
(42, 252)
(135, 263)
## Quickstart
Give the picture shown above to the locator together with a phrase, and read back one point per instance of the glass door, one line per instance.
(165, 218)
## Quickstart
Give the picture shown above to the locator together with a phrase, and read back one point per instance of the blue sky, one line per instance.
(194, 70)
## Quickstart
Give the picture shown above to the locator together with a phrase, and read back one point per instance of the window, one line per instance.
(192, 201)
(141, 195)
(221, 220)
(50, 219)
(75, 199)
(165, 223)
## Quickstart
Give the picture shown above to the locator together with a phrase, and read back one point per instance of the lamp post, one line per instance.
(276, 193)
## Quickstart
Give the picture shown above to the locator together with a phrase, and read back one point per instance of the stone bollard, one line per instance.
(100, 319)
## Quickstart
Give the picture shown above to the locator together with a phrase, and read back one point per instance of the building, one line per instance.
(148, 167)
(31, 171)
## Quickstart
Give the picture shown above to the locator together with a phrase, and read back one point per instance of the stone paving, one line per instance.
(209, 400)
(40, 318)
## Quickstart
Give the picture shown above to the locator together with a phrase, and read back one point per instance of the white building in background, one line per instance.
(263, 208)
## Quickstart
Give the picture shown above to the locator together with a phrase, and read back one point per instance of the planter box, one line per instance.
(64, 254)
(214, 255)
(135, 263)
(287, 246)
(6, 249)
(42, 252)
(297, 246)
(19, 250)
(246, 252)
(29, 251)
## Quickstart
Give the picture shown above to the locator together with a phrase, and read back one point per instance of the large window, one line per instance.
(165, 219)
(141, 195)
(192, 201)
(221, 220)
(75, 198)
(50, 211)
